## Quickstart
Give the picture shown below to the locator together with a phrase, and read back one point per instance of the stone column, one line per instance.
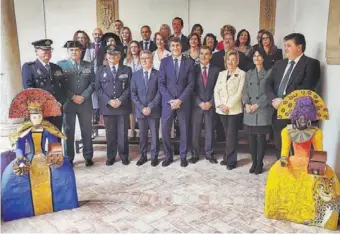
(10, 79)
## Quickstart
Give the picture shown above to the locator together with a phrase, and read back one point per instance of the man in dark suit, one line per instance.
(177, 26)
(176, 83)
(218, 60)
(113, 90)
(295, 72)
(147, 99)
(79, 86)
(206, 75)
(146, 43)
(45, 75)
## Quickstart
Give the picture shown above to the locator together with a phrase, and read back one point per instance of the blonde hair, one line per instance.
(230, 53)
(130, 34)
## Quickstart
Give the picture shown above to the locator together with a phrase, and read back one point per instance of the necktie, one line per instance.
(47, 66)
(146, 45)
(285, 80)
(96, 46)
(76, 66)
(204, 77)
(114, 72)
(146, 79)
(176, 68)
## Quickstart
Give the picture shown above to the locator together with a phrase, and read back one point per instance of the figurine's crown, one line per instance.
(34, 107)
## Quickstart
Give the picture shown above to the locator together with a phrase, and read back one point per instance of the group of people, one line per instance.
(226, 83)
(221, 84)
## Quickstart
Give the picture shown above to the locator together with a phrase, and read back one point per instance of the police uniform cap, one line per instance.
(73, 44)
(112, 51)
(44, 44)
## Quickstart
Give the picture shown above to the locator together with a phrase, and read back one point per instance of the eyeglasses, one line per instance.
(145, 58)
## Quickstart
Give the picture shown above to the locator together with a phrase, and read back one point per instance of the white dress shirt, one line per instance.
(157, 59)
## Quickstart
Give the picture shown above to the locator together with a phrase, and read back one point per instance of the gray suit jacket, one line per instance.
(254, 93)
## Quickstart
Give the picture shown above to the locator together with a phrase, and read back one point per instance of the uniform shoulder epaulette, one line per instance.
(63, 61)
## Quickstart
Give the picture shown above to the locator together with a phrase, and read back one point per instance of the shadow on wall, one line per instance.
(320, 86)
(337, 151)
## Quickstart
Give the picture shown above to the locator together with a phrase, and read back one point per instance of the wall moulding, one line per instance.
(107, 13)
(333, 33)
(267, 15)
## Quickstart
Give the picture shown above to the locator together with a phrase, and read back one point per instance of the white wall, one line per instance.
(315, 31)
(63, 18)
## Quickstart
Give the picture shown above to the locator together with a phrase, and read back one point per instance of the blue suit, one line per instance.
(204, 94)
(35, 75)
(172, 88)
(147, 96)
(116, 120)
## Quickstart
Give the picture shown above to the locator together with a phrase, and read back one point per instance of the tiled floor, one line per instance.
(202, 198)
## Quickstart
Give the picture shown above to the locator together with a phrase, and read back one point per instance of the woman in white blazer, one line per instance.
(228, 102)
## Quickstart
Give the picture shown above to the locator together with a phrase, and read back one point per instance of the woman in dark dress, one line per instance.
(269, 50)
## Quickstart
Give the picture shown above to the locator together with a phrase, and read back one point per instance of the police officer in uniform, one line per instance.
(113, 90)
(79, 86)
(45, 75)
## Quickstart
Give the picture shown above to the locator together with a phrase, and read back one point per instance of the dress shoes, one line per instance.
(193, 159)
(230, 167)
(89, 162)
(223, 163)
(141, 161)
(212, 160)
(154, 162)
(125, 162)
(167, 162)
(110, 162)
(184, 162)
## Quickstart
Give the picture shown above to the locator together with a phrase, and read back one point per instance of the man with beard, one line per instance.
(79, 87)
(45, 75)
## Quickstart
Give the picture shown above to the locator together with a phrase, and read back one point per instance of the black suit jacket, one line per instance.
(152, 46)
(184, 43)
(201, 93)
(305, 75)
(218, 60)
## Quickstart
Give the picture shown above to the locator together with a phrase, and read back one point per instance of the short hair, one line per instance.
(197, 26)
(145, 26)
(119, 21)
(179, 18)
(158, 34)
(230, 53)
(237, 43)
(192, 35)
(145, 52)
(213, 37)
(205, 47)
(175, 40)
(298, 38)
(228, 27)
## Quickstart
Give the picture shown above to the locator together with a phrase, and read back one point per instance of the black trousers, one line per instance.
(257, 146)
(231, 125)
(116, 127)
(85, 123)
(278, 125)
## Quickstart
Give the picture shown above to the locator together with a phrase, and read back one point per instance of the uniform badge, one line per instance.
(87, 70)
(123, 76)
(58, 73)
(105, 75)
(39, 72)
